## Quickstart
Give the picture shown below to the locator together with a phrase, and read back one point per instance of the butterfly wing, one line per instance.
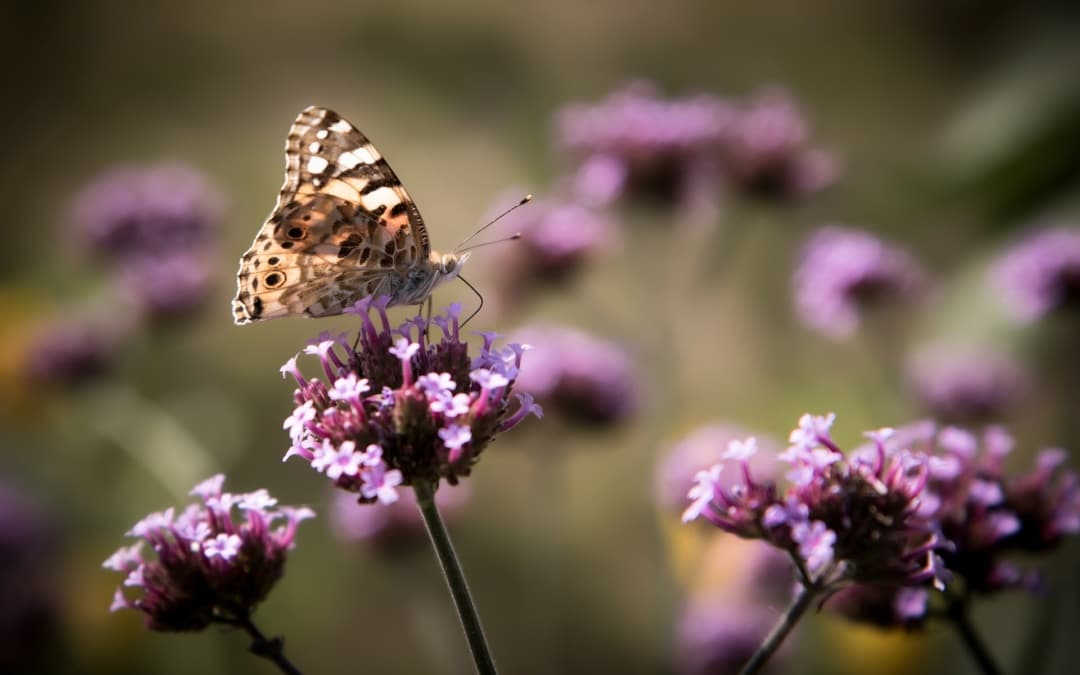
(343, 227)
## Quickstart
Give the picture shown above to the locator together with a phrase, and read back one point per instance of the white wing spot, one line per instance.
(341, 126)
(384, 196)
(367, 154)
(347, 160)
(321, 134)
(317, 164)
(315, 146)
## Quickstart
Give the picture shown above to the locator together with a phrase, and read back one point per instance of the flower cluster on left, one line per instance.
(210, 565)
(402, 408)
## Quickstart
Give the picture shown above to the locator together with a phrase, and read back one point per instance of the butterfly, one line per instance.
(343, 228)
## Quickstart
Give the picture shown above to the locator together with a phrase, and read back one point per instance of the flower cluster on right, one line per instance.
(910, 510)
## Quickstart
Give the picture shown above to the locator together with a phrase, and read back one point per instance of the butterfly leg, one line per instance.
(425, 308)
(478, 294)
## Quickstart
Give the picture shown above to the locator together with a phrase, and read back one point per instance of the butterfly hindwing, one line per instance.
(343, 227)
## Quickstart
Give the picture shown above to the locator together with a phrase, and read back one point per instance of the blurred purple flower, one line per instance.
(30, 613)
(154, 210)
(718, 637)
(965, 385)
(584, 378)
(398, 525)
(402, 408)
(704, 446)
(636, 143)
(209, 566)
(843, 272)
(765, 149)
(1041, 273)
(69, 352)
(167, 286)
(557, 240)
(843, 519)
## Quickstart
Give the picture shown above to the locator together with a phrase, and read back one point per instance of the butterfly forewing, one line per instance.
(343, 227)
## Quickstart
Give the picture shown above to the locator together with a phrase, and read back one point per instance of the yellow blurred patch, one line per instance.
(20, 315)
(855, 649)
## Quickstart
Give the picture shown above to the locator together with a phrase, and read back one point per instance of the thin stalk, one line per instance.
(272, 649)
(802, 601)
(958, 616)
(455, 579)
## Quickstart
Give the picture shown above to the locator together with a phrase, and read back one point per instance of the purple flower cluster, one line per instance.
(844, 518)
(557, 240)
(638, 143)
(1041, 273)
(584, 378)
(965, 385)
(67, 353)
(131, 212)
(843, 272)
(209, 566)
(402, 408)
(157, 225)
(983, 513)
(765, 149)
(986, 514)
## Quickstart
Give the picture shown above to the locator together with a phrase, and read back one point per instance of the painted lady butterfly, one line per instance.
(343, 228)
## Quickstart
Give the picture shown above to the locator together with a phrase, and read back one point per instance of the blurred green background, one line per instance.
(956, 122)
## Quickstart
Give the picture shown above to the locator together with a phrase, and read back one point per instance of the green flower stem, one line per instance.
(958, 616)
(455, 579)
(272, 649)
(802, 601)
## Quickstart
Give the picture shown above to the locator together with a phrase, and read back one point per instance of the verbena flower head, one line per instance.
(638, 143)
(396, 527)
(405, 406)
(843, 518)
(213, 562)
(155, 210)
(69, 352)
(843, 272)
(168, 285)
(704, 446)
(715, 636)
(965, 385)
(582, 377)
(987, 514)
(1041, 273)
(765, 149)
(557, 240)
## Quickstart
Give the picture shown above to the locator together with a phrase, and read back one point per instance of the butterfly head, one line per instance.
(422, 279)
(449, 264)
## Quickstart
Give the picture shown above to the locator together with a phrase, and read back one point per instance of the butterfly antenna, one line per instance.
(478, 295)
(516, 235)
(524, 200)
